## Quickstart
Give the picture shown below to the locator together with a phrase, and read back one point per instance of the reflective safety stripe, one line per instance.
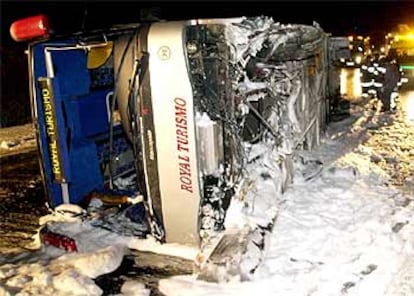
(378, 84)
(364, 67)
(371, 69)
(382, 69)
(394, 97)
(366, 84)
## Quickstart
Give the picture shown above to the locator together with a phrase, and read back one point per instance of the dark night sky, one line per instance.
(337, 17)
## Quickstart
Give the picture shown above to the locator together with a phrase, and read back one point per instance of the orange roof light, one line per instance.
(30, 28)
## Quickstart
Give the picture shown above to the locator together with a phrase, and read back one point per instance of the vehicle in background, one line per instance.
(400, 43)
(340, 52)
(359, 47)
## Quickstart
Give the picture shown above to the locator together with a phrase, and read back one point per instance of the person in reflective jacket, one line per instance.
(377, 75)
(367, 77)
(390, 77)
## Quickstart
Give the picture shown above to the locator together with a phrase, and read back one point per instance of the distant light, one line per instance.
(357, 90)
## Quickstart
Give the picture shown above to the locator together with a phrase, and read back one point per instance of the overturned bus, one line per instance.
(169, 110)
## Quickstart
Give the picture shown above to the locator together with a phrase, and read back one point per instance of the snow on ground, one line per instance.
(342, 229)
(17, 139)
(346, 231)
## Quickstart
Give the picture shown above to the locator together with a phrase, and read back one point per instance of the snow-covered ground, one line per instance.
(17, 139)
(343, 228)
